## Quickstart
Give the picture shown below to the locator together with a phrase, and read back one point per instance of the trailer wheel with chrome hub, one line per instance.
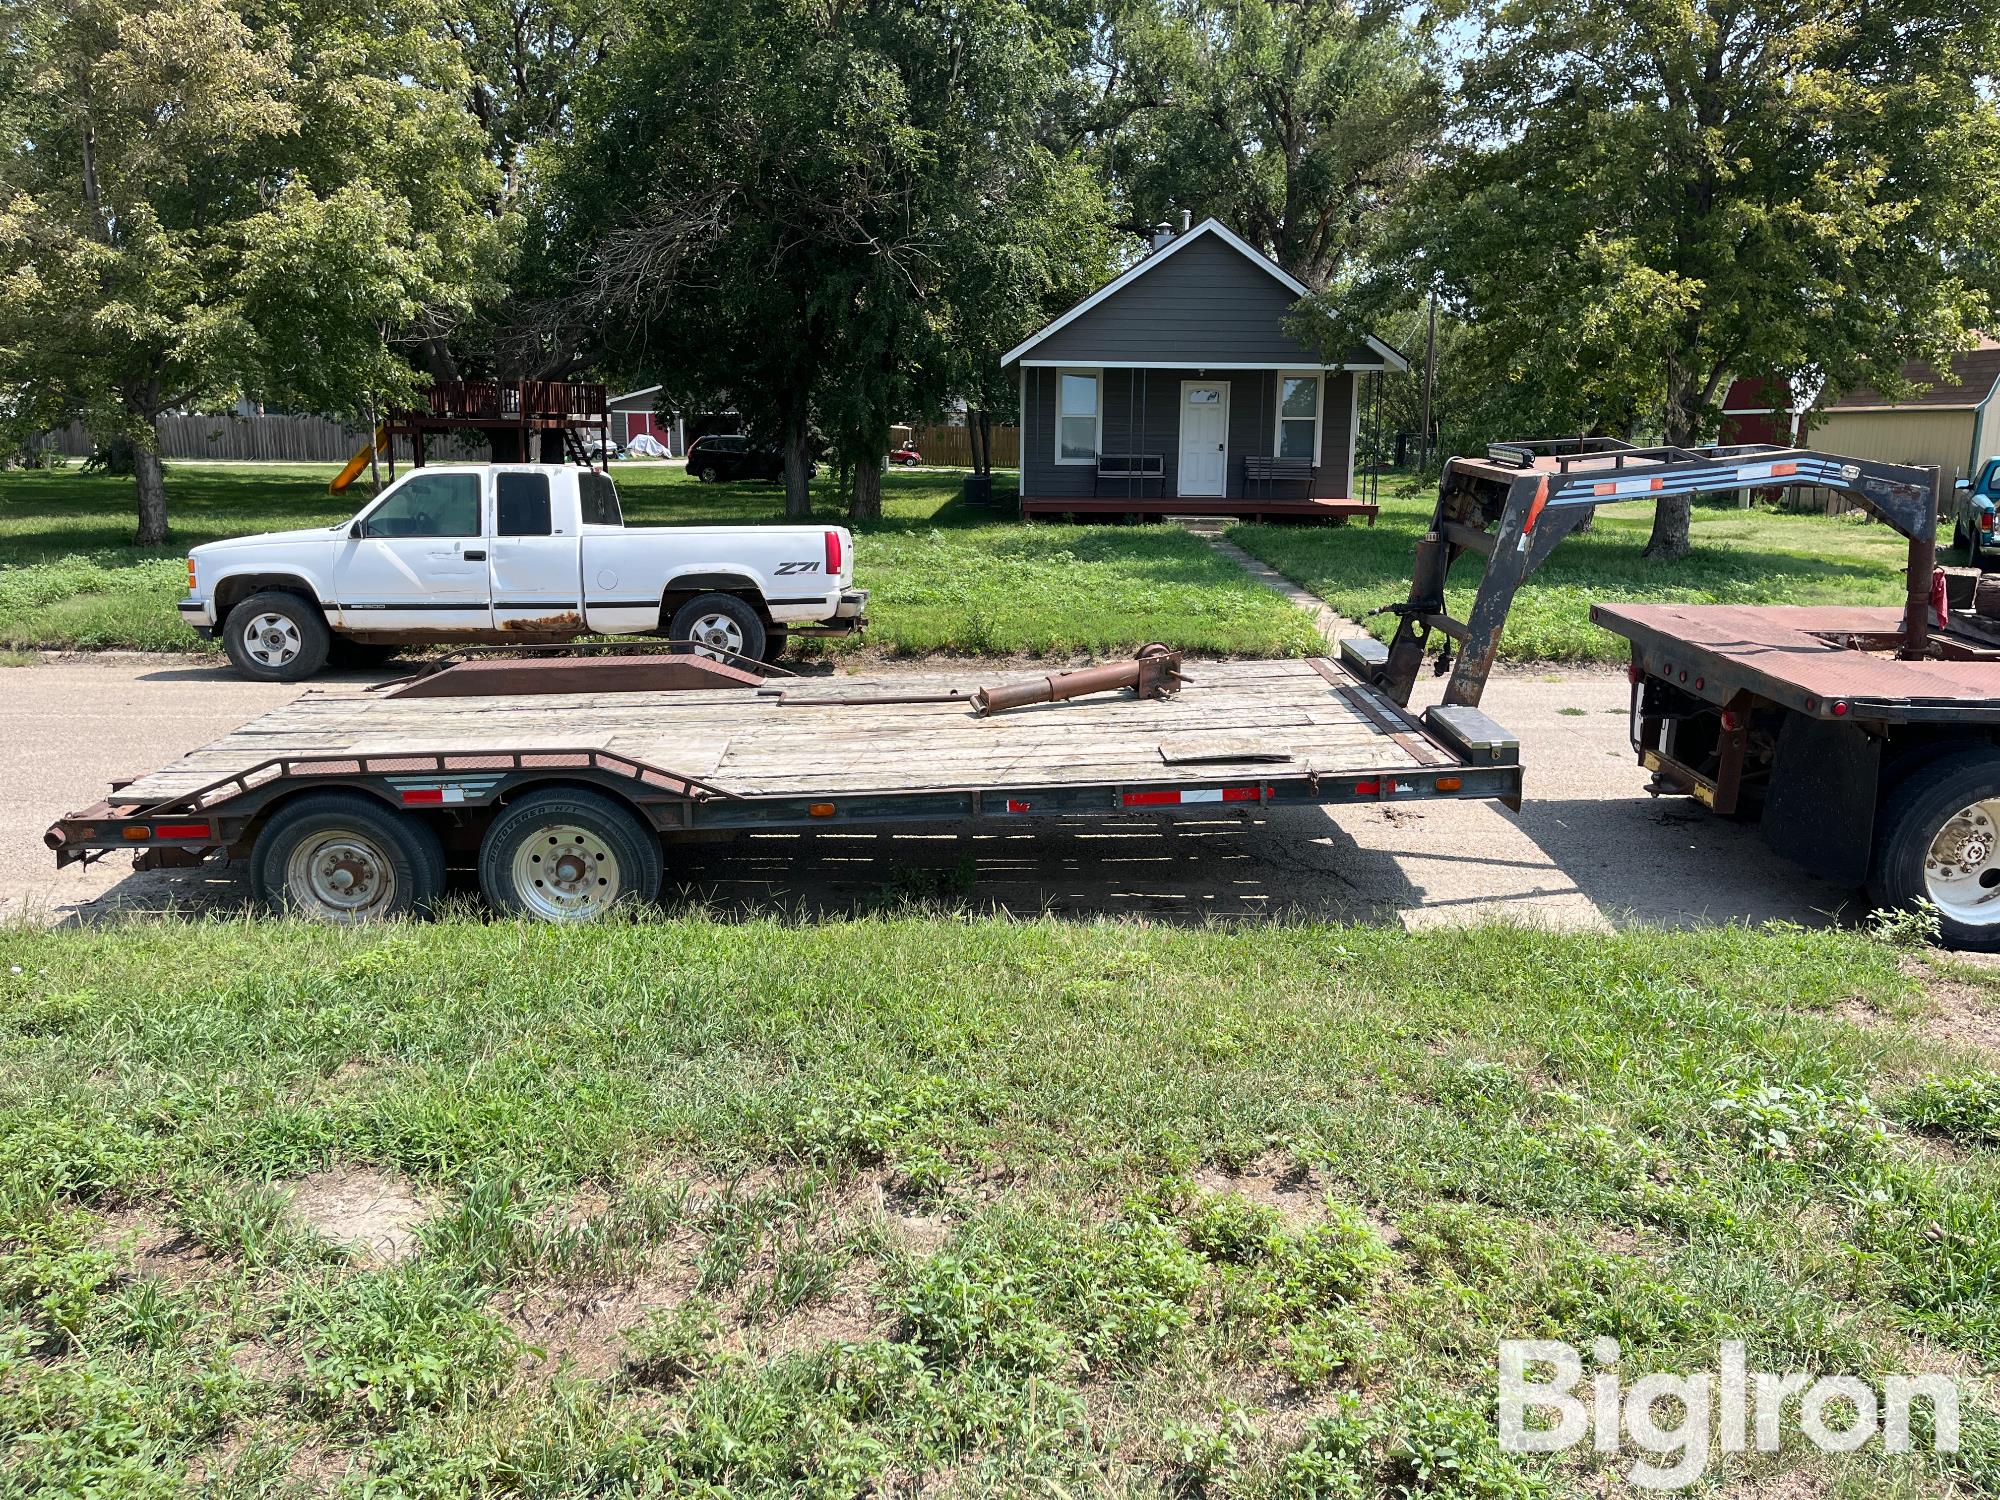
(568, 855)
(1938, 840)
(276, 636)
(343, 857)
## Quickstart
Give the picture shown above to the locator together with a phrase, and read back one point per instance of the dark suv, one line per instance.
(731, 456)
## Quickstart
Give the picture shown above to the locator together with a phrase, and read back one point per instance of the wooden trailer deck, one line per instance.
(820, 737)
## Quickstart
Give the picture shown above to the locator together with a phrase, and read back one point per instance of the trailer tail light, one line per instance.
(833, 554)
(1840, 710)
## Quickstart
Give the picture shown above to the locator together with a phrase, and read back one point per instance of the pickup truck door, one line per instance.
(417, 560)
(536, 581)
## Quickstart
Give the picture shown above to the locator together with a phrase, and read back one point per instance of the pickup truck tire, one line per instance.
(568, 855)
(276, 636)
(1938, 839)
(343, 857)
(721, 621)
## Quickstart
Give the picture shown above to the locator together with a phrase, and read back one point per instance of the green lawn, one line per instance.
(932, 1204)
(944, 578)
(1740, 557)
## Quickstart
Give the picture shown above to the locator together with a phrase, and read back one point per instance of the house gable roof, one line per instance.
(1264, 347)
(1978, 372)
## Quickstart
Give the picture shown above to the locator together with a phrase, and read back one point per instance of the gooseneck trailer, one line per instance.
(565, 783)
(1864, 741)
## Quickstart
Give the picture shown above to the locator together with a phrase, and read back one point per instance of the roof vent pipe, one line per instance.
(1163, 232)
(1187, 219)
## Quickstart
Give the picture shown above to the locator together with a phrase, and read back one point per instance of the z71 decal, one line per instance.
(797, 567)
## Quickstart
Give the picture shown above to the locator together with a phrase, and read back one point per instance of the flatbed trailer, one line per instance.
(1864, 741)
(351, 804)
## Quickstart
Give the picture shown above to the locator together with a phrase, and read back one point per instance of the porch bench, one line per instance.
(1270, 471)
(1131, 469)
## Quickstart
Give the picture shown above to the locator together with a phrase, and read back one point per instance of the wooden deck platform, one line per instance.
(1238, 507)
(814, 736)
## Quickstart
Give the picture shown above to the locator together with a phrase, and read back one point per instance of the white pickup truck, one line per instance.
(515, 553)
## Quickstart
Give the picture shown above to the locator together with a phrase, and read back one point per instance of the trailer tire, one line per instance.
(343, 857)
(276, 636)
(568, 855)
(1938, 839)
(722, 621)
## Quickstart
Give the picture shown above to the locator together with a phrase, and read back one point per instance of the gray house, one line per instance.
(1175, 390)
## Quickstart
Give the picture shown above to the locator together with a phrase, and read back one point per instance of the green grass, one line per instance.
(944, 578)
(928, 1200)
(1753, 556)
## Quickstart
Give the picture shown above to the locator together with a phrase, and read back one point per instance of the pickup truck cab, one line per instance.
(1976, 504)
(515, 554)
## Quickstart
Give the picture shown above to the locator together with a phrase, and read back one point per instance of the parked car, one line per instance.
(515, 554)
(909, 458)
(729, 455)
(1976, 504)
(597, 450)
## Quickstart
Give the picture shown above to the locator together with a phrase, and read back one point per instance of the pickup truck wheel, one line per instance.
(568, 856)
(276, 637)
(1938, 839)
(721, 622)
(344, 858)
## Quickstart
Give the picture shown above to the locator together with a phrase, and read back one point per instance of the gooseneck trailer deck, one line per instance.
(351, 804)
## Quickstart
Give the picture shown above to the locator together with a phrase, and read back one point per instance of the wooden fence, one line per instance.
(952, 446)
(299, 440)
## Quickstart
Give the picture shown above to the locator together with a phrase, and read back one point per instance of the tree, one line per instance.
(214, 201)
(1648, 200)
(846, 208)
(1295, 122)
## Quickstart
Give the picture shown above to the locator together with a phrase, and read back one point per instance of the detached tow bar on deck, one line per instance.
(1154, 673)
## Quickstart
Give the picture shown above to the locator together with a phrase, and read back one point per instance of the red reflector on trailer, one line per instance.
(181, 831)
(1380, 788)
(1239, 794)
(1151, 799)
(833, 556)
(421, 794)
(1015, 805)
(1178, 799)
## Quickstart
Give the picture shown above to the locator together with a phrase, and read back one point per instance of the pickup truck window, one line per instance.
(521, 505)
(429, 505)
(599, 498)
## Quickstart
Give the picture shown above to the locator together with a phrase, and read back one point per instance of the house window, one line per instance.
(1079, 417)
(1298, 416)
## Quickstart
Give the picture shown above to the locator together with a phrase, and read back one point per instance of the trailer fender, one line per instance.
(1820, 811)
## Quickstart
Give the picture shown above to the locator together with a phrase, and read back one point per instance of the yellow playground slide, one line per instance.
(359, 462)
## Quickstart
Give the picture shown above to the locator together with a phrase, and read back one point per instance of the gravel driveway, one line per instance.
(1589, 847)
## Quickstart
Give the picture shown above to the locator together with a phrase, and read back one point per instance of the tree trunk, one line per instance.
(1672, 513)
(798, 465)
(866, 502)
(152, 485)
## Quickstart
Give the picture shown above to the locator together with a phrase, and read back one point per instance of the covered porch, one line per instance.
(1151, 441)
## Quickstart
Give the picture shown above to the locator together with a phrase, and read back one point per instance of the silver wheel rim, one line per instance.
(720, 632)
(566, 873)
(1962, 866)
(272, 640)
(341, 875)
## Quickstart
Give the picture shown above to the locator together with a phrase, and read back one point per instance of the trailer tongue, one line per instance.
(561, 792)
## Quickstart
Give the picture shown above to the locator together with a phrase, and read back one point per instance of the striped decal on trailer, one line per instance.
(1175, 799)
(429, 791)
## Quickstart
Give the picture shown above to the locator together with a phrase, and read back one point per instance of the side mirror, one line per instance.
(1962, 484)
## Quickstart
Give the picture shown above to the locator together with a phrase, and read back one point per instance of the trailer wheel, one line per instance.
(276, 636)
(1938, 838)
(345, 858)
(722, 621)
(568, 856)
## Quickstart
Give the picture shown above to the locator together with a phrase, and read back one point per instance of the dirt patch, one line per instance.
(1793, 1484)
(1957, 1014)
(157, 1250)
(372, 1212)
(849, 1316)
(582, 1329)
(1272, 1180)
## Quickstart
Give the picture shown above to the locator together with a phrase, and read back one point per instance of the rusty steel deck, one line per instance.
(1795, 653)
(841, 735)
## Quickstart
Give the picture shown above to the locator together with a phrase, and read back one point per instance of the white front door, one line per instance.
(1204, 437)
(416, 560)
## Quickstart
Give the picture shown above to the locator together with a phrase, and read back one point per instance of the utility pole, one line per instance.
(1430, 374)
